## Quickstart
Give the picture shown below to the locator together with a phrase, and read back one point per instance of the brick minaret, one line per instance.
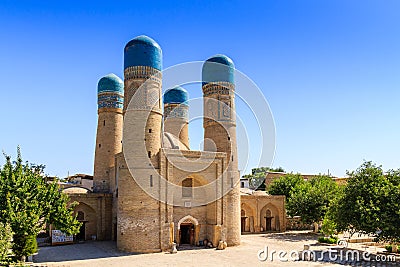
(220, 135)
(176, 114)
(109, 131)
(138, 213)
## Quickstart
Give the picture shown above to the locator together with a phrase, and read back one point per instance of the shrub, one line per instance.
(328, 240)
(328, 226)
(24, 245)
(5, 241)
(389, 248)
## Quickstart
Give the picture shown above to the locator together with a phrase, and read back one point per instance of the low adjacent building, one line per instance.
(261, 212)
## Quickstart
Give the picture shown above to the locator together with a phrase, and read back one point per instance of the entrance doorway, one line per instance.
(81, 236)
(187, 234)
(268, 221)
(82, 232)
(243, 224)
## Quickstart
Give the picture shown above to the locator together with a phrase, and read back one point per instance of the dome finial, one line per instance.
(110, 83)
(143, 51)
(176, 95)
(218, 68)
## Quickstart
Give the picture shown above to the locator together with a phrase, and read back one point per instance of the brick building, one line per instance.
(149, 188)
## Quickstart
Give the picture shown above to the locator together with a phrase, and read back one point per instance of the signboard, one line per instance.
(59, 238)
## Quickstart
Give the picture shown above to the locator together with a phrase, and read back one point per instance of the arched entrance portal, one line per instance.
(188, 231)
(87, 216)
(82, 231)
(269, 218)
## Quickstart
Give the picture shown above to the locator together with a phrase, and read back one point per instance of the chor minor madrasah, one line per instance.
(149, 189)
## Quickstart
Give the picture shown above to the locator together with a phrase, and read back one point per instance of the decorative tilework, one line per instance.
(218, 97)
(218, 88)
(149, 80)
(110, 90)
(142, 72)
(110, 83)
(110, 100)
(176, 111)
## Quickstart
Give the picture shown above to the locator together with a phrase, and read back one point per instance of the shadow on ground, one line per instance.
(292, 236)
(82, 251)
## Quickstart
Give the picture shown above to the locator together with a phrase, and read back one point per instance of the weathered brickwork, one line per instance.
(108, 144)
(109, 131)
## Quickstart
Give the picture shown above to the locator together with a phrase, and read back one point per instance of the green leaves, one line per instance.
(257, 177)
(311, 199)
(285, 184)
(5, 241)
(370, 202)
(27, 202)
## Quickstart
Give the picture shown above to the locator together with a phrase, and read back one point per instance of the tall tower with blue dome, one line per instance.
(176, 113)
(138, 213)
(110, 90)
(219, 125)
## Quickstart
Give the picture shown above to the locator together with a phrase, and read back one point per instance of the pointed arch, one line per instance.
(187, 218)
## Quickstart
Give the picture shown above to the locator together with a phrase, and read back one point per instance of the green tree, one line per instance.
(285, 184)
(311, 199)
(257, 176)
(27, 202)
(5, 241)
(370, 203)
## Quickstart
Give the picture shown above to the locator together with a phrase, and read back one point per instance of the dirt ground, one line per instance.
(101, 254)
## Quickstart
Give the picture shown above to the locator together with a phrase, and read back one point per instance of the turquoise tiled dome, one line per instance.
(110, 83)
(143, 51)
(218, 68)
(176, 95)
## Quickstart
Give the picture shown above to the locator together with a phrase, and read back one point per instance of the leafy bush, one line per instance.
(328, 226)
(5, 241)
(328, 240)
(24, 245)
(389, 248)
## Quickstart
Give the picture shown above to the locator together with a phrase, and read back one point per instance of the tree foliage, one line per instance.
(5, 241)
(311, 199)
(257, 176)
(285, 184)
(27, 202)
(370, 203)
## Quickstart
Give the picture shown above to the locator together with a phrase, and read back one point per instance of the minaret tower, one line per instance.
(139, 223)
(109, 131)
(220, 135)
(176, 114)
(142, 69)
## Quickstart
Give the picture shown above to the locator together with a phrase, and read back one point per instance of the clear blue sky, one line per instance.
(330, 71)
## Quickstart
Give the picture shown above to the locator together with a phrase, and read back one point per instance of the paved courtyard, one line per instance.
(105, 254)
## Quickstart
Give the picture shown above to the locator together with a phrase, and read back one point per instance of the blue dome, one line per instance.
(218, 68)
(110, 83)
(176, 95)
(143, 51)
